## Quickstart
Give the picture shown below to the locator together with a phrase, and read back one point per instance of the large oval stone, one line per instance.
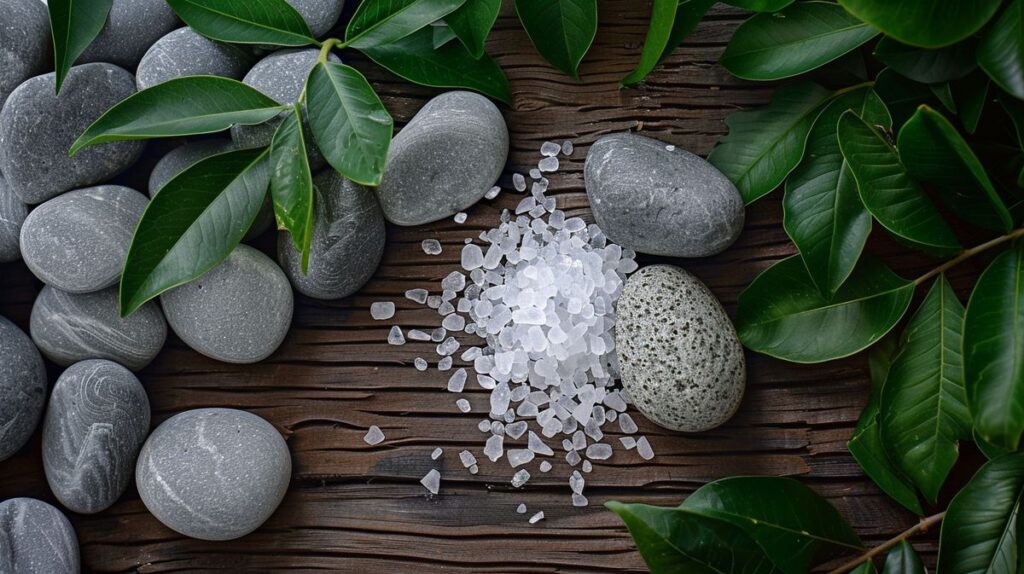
(657, 199)
(444, 160)
(185, 52)
(679, 355)
(320, 15)
(132, 27)
(96, 422)
(38, 539)
(213, 474)
(12, 216)
(24, 43)
(22, 386)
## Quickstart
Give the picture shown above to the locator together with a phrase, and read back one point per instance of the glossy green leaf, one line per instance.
(350, 124)
(901, 95)
(382, 22)
(783, 314)
(1001, 51)
(927, 66)
(763, 146)
(795, 527)
(180, 107)
(864, 568)
(989, 450)
(561, 30)
(272, 22)
(473, 22)
(993, 361)
(924, 23)
(74, 24)
(291, 183)
(970, 94)
(671, 21)
(903, 560)
(193, 224)
(442, 35)
(892, 197)
(944, 93)
(760, 5)
(802, 37)
(688, 15)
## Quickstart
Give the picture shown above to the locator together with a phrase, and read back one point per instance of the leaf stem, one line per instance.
(968, 253)
(325, 52)
(922, 526)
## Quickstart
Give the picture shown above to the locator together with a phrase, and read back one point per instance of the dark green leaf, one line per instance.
(74, 25)
(561, 30)
(383, 22)
(442, 35)
(760, 5)
(944, 93)
(671, 22)
(924, 23)
(783, 314)
(970, 94)
(849, 70)
(1001, 51)
(903, 560)
(927, 66)
(864, 568)
(800, 38)
(990, 451)
(291, 183)
(901, 95)
(272, 22)
(472, 23)
(688, 15)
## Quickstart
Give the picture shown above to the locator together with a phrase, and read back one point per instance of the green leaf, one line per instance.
(990, 451)
(688, 15)
(934, 152)
(671, 21)
(927, 66)
(800, 38)
(450, 66)
(74, 24)
(970, 95)
(760, 5)
(764, 145)
(350, 124)
(442, 35)
(193, 224)
(901, 95)
(993, 361)
(272, 22)
(895, 200)
(783, 314)
(676, 541)
(980, 531)
(180, 107)
(561, 30)
(291, 183)
(473, 22)
(1001, 51)
(903, 560)
(795, 527)
(382, 22)
(864, 568)
(923, 407)
(944, 93)
(924, 23)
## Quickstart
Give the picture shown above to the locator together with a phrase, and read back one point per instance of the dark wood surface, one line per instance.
(356, 508)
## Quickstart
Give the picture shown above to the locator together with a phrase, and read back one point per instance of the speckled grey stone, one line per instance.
(213, 474)
(321, 15)
(25, 46)
(36, 538)
(185, 52)
(77, 242)
(38, 127)
(348, 240)
(444, 160)
(69, 328)
(661, 201)
(23, 388)
(132, 27)
(239, 312)
(12, 215)
(679, 355)
(96, 422)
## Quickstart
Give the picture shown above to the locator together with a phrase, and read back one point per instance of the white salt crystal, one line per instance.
(447, 347)
(444, 364)
(579, 440)
(454, 322)
(643, 448)
(467, 458)
(417, 335)
(484, 426)
(395, 336)
(519, 456)
(518, 182)
(526, 204)
(521, 509)
(460, 217)
(497, 428)
(463, 405)
(599, 451)
(538, 446)
(446, 308)
(537, 517)
(457, 382)
(520, 478)
(535, 174)
(628, 442)
(579, 500)
(548, 164)
(516, 429)
(493, 192)
(567, 147)
(500, 398)
(587, 467)
(374, 436)
(494, 447)
(474, 469)
(545, 466)
(436, 454)
(576, 482)
(472, 257)
(417, 295)
(420, 363)
(434, 301)
(454, 282)
(485, 382)
(573, 458)
(670, 147)
(626, 424)
(382, 310)
(548, 149)
(438, 334)
(431, 246)
(432, 481)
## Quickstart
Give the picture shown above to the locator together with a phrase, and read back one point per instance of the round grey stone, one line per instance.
(213, 474)
(679, 355)
(77, 242)
(320, 15)
(12, 216)
(69, 328)
(239, 312)
(96, 422)
(36, 538)
(660, 200)
(24, 43)
(38, 127)
(347, 245)
(444, 160)
(23, 388)
(132, 27)
(185, 52)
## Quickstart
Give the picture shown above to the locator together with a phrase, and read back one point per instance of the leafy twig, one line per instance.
(921, 526)
(968, 253)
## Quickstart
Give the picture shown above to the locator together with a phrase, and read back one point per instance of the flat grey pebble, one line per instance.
(239, 312)
(38, 127)
(185, 52)
(77, 242)
(69, 328)
(36, 538)
(23, 388)
(444, 160)
(25, 47)
(132, 27)
(96, 422)
(679, 355)
(12, 216)
(348, 240)
(661, 201)
(213, 474)
(321, 15)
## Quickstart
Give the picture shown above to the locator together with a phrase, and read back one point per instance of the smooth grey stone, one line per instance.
(444, 160)
(12, 216)
(654, 200)
(25, 46)
(185, 52)
(36, 538)
(320, 15)
(132, 27)
(96, 422)
(213, 474)
(239, 312)
(77, 242)
(23, 388)
(679, 355)
(69, 328)
(348, 240)
(38, 127)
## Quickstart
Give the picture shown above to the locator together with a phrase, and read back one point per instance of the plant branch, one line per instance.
(922, 526)
(968, 253)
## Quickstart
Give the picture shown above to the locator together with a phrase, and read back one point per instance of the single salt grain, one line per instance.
(420, 363)
(436, 454)
(579, 500)
(587, 466)
(454, 322)
(521, 509)
(519, 456)
(538, 446)
(576, 482)
(432, 481)
(474, 469)
(382, 310)
(438, 334)
(431, 246)
(463, 405)
(417, 295)
(417, 335)
(374, 436)
(537, 517)
(494, 447)
(573, 458)
(626, 424)
(643, 448)
(457, 382)
(670, 147)
(434, 301)
(567, 147)
(545, 466)
(599, 451)
(516, 429)
(548, 149)
(493, 192)
(548, 164)
(460, 217)
(628, 442)
(520, 478)
(484, 425)
(518, 182)
(449, 346)
(535, 174)
(444, 364)
(472, 257)
(467, 459)
(395, 336)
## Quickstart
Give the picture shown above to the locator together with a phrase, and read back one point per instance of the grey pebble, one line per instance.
(38, 127)
(25, 46)
(132, 27)
(321, 15)
(653, 199)
(12, 216)
(36, 538)
(96, 422)
(679, 355)
(77, 242)
(239, 312)
(23, 388)
(348, 240)
(185, 52)
(69, 328)
(213, 474)
(444, 160)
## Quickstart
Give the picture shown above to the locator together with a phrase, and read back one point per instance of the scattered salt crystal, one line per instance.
(453, 282)
(472, 257)
(587, 466)
(567, 147)
(548, 149)
(545, 466)
(417, 295)
(460, 217)
(494, 447)
(500, 399)
(626, 424)
(444, 364)
(573, 458)
(537, 517)
(382, 310)
(538, 446)
(519, 456)
(516, 429)
(579, 440)
(599, 451)
(374, 436)
(420, 363)
(447, 347)
(463, 405)
(432, 481)
(417, 335)
(576, 482)
(454, 322)
(520, 478)
(628, 442)
(434, 301)
(436, 454)
(484, 425)
(438, 334)
(670, 147)
(497, 428)
(445, 309)
(431, 246)
(467, 458)
(579, 500)
(457, 382)
(521, 509)
(474, 469)
(535, 174)
(548, 164)
(518, 182)
(526, 205)
(643, 448)
(395, 336)
(493, 192)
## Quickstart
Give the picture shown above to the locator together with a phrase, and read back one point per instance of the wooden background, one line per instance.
(357, 508)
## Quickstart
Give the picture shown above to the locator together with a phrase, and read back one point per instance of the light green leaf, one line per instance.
(927, 66)
(760, 5)
(473, 22)
(903, 560)
(272, 22)
(561, 30)
(74, 24)
(291, 183)
(924, 23)
(671, 21)
(383, 22)
(1001, 51)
